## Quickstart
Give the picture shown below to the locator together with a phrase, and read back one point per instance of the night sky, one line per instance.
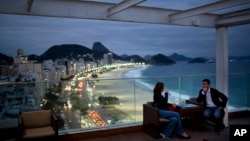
(36, 34)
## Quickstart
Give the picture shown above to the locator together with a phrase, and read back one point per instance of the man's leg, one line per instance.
(208, 112)
(218, 119)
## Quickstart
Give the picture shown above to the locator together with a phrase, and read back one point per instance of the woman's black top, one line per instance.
(160, 101)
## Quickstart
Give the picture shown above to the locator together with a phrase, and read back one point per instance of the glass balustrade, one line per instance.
(85, 103)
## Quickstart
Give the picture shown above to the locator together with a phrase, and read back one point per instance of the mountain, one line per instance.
(33, 57)
(124, 56)
(161, 59)
(179, 57)
(65, 51)
(239, 58)
(99, 49)
(98, 46)
(5, 59)
(147, 57)
(71, 51)
(135, 58)
(198, 60)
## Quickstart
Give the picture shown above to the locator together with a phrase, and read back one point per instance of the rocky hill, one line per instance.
(98, 46)
(71, 51)
(74, 51)
(161, 59)
(179, 57)
(5, 59)
(198, 60)
(135, 58)
(65, 51)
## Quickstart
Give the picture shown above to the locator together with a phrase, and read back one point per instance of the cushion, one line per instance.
(39, 132)
(163, 120)
(36, 119)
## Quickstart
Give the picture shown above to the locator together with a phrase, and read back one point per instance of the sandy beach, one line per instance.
(131, 98)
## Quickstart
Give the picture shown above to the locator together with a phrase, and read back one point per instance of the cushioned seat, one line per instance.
(38, 124)
(39, 132)
(204, 120)
(152, 122)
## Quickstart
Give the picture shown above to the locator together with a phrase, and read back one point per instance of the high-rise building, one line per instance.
(108, 58)
(21, 58)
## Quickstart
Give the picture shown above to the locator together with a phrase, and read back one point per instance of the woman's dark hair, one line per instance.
(158, 87)
(206, 80)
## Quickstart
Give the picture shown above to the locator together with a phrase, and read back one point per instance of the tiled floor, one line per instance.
(207, 135)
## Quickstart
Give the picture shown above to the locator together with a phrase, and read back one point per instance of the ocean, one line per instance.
(183, 80)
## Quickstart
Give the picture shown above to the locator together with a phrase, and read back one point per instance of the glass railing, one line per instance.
(87, 103)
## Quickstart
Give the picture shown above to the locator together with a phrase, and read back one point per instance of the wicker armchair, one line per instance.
(152, 123)
(38, 125)
(204, 120)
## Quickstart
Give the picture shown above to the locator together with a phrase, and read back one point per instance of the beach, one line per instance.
(131, 98)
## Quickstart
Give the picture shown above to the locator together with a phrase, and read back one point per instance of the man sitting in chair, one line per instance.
(214, 103)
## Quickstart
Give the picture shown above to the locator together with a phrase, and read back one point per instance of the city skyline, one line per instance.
(35, 35)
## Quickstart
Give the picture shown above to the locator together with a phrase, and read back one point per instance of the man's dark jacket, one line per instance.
(218, 98)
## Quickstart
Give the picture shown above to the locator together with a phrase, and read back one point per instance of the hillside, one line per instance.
(161, 59)
(65, 51)
(5, 59)
(135, 58)
(198, 60)
(179, 57)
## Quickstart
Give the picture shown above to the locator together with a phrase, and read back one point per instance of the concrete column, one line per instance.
(222, 64)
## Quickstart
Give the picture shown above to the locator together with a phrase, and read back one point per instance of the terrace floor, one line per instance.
(138, 134)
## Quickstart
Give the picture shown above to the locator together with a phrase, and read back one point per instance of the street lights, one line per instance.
(89, 105)
(109, 121)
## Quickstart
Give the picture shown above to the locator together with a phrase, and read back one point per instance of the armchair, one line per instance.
(209, 121)
(38, 125)
(152, 123)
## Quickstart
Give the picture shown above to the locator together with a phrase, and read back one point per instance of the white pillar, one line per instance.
(222, 64)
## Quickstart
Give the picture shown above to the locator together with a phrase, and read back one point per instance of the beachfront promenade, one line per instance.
(131, 98)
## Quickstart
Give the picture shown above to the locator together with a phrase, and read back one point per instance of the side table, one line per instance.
(191, 111)
(9, 129)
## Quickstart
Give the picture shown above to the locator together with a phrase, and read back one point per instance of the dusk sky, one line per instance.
(36, 34)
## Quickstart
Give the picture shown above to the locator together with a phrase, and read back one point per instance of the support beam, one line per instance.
(207, 8)
(234, 18)
(222, 64)
(98, 11)
(122, 6)
(233, 21)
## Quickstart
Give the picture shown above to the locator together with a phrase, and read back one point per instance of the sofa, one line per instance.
(38, 125)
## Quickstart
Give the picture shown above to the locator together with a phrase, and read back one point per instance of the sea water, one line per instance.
(183, 80)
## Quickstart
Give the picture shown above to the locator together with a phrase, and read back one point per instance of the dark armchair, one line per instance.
(38, 125)
(210, 121)
(152, 123)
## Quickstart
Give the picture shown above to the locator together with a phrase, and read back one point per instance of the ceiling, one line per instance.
(212, 14)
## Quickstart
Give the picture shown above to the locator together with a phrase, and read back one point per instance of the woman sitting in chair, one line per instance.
(174, 118)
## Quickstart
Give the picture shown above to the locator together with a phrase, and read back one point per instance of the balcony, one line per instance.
(108, 109)
(136, 133)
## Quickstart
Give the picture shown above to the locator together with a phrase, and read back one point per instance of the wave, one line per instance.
(135, 73)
